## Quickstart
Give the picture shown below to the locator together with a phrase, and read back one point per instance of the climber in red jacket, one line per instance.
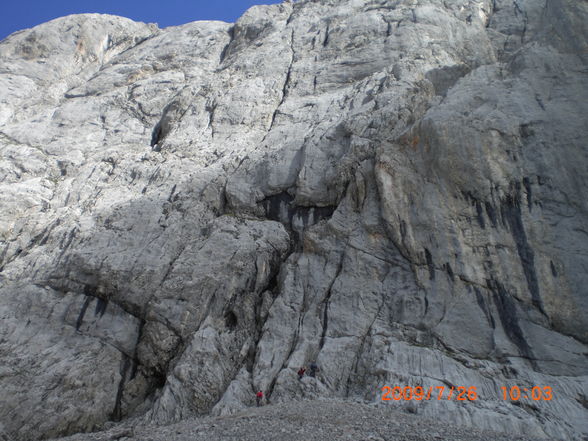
(301, 372)
(259, 397)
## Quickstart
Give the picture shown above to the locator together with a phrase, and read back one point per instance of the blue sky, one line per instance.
(21, 14)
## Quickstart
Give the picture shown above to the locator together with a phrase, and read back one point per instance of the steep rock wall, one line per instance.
(392, 189)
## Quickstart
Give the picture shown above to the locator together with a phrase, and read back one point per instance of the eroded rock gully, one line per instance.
(393, 189)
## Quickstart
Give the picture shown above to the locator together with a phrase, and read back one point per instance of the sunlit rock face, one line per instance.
(395, 190)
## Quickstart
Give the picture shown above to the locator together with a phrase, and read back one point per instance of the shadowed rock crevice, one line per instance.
(124, 372)
(225, 50)
(512, 216)
(325, 317)
(80, 318)
(282, 208)
(509, 317)
(286, 83)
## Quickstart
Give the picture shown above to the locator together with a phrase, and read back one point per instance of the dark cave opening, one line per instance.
(231, 320)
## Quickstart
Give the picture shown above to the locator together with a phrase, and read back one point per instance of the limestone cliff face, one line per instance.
(393, 189)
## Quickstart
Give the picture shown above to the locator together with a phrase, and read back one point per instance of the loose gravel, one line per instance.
(320, 420)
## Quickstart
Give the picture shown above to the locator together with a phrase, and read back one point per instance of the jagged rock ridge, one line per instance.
(392, 189)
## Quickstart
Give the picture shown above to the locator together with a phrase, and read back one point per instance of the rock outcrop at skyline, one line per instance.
(394, 190)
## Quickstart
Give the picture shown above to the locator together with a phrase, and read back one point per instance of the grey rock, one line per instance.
(305, 420)
(389, 189)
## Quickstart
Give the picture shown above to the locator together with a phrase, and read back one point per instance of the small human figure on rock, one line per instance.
(259, 398)
(301, 372)
(313, 369)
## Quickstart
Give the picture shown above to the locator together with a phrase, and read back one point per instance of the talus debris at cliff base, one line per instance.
(393, 190)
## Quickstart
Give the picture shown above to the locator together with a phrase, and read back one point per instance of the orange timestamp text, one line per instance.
(516, 393)
(419, 393)
(462, 393)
